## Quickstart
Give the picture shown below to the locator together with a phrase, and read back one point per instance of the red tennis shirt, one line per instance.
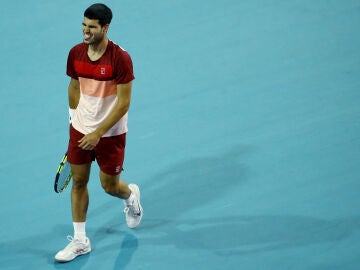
(98, 86)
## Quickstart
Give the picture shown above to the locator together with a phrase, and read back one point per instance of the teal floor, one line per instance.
(244, 136)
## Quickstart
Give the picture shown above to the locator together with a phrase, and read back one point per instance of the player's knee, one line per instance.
(79, 182)
(109, 188)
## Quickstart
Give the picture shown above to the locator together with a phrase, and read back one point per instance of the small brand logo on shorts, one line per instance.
(117, 169)
(102, 71)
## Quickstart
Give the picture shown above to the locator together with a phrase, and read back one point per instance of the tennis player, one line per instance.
(101, 75)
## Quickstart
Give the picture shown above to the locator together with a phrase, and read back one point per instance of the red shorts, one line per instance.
(109, 152)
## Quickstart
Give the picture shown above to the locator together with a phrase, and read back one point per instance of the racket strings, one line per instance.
(63, 176)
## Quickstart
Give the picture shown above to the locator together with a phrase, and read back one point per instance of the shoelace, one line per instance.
(132, 209)
(72, 242)
(70, 238)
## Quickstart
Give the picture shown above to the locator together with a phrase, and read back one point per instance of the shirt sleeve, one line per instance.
(70, 70)
(124, 68)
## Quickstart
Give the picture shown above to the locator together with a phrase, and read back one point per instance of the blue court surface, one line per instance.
(244, 136)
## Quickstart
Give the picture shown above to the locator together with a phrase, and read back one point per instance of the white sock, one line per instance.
(79, 230)
(130, 200)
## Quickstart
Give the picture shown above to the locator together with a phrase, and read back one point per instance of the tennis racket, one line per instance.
(63, 175)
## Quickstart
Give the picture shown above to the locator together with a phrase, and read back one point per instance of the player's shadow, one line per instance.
(192, 183)
(122, 240)
(226, 237)
(128, 248)
(234, 236)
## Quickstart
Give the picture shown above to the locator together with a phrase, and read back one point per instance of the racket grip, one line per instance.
(71, 114)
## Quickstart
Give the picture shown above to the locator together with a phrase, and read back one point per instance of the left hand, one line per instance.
(89, 141)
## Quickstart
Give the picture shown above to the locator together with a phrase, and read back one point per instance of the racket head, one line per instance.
(63, 175)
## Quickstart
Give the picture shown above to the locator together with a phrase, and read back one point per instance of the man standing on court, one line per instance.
(101, 76)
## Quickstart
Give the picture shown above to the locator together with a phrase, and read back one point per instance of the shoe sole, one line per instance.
(65, 261)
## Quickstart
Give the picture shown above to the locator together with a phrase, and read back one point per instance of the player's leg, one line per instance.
(79, 191)
(80, 161)
(113, 185)
(79, 243)
(110, 157)
(110, 153)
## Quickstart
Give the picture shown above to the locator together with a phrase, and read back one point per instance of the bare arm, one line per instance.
(74, 93)
(89, 141)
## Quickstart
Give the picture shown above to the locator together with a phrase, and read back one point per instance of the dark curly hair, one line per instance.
(99, 12)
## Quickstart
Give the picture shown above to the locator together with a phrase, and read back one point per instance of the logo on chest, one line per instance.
(103, 71)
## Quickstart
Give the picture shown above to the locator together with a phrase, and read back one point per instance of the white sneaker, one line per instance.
(133, 212)
(73, 249)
